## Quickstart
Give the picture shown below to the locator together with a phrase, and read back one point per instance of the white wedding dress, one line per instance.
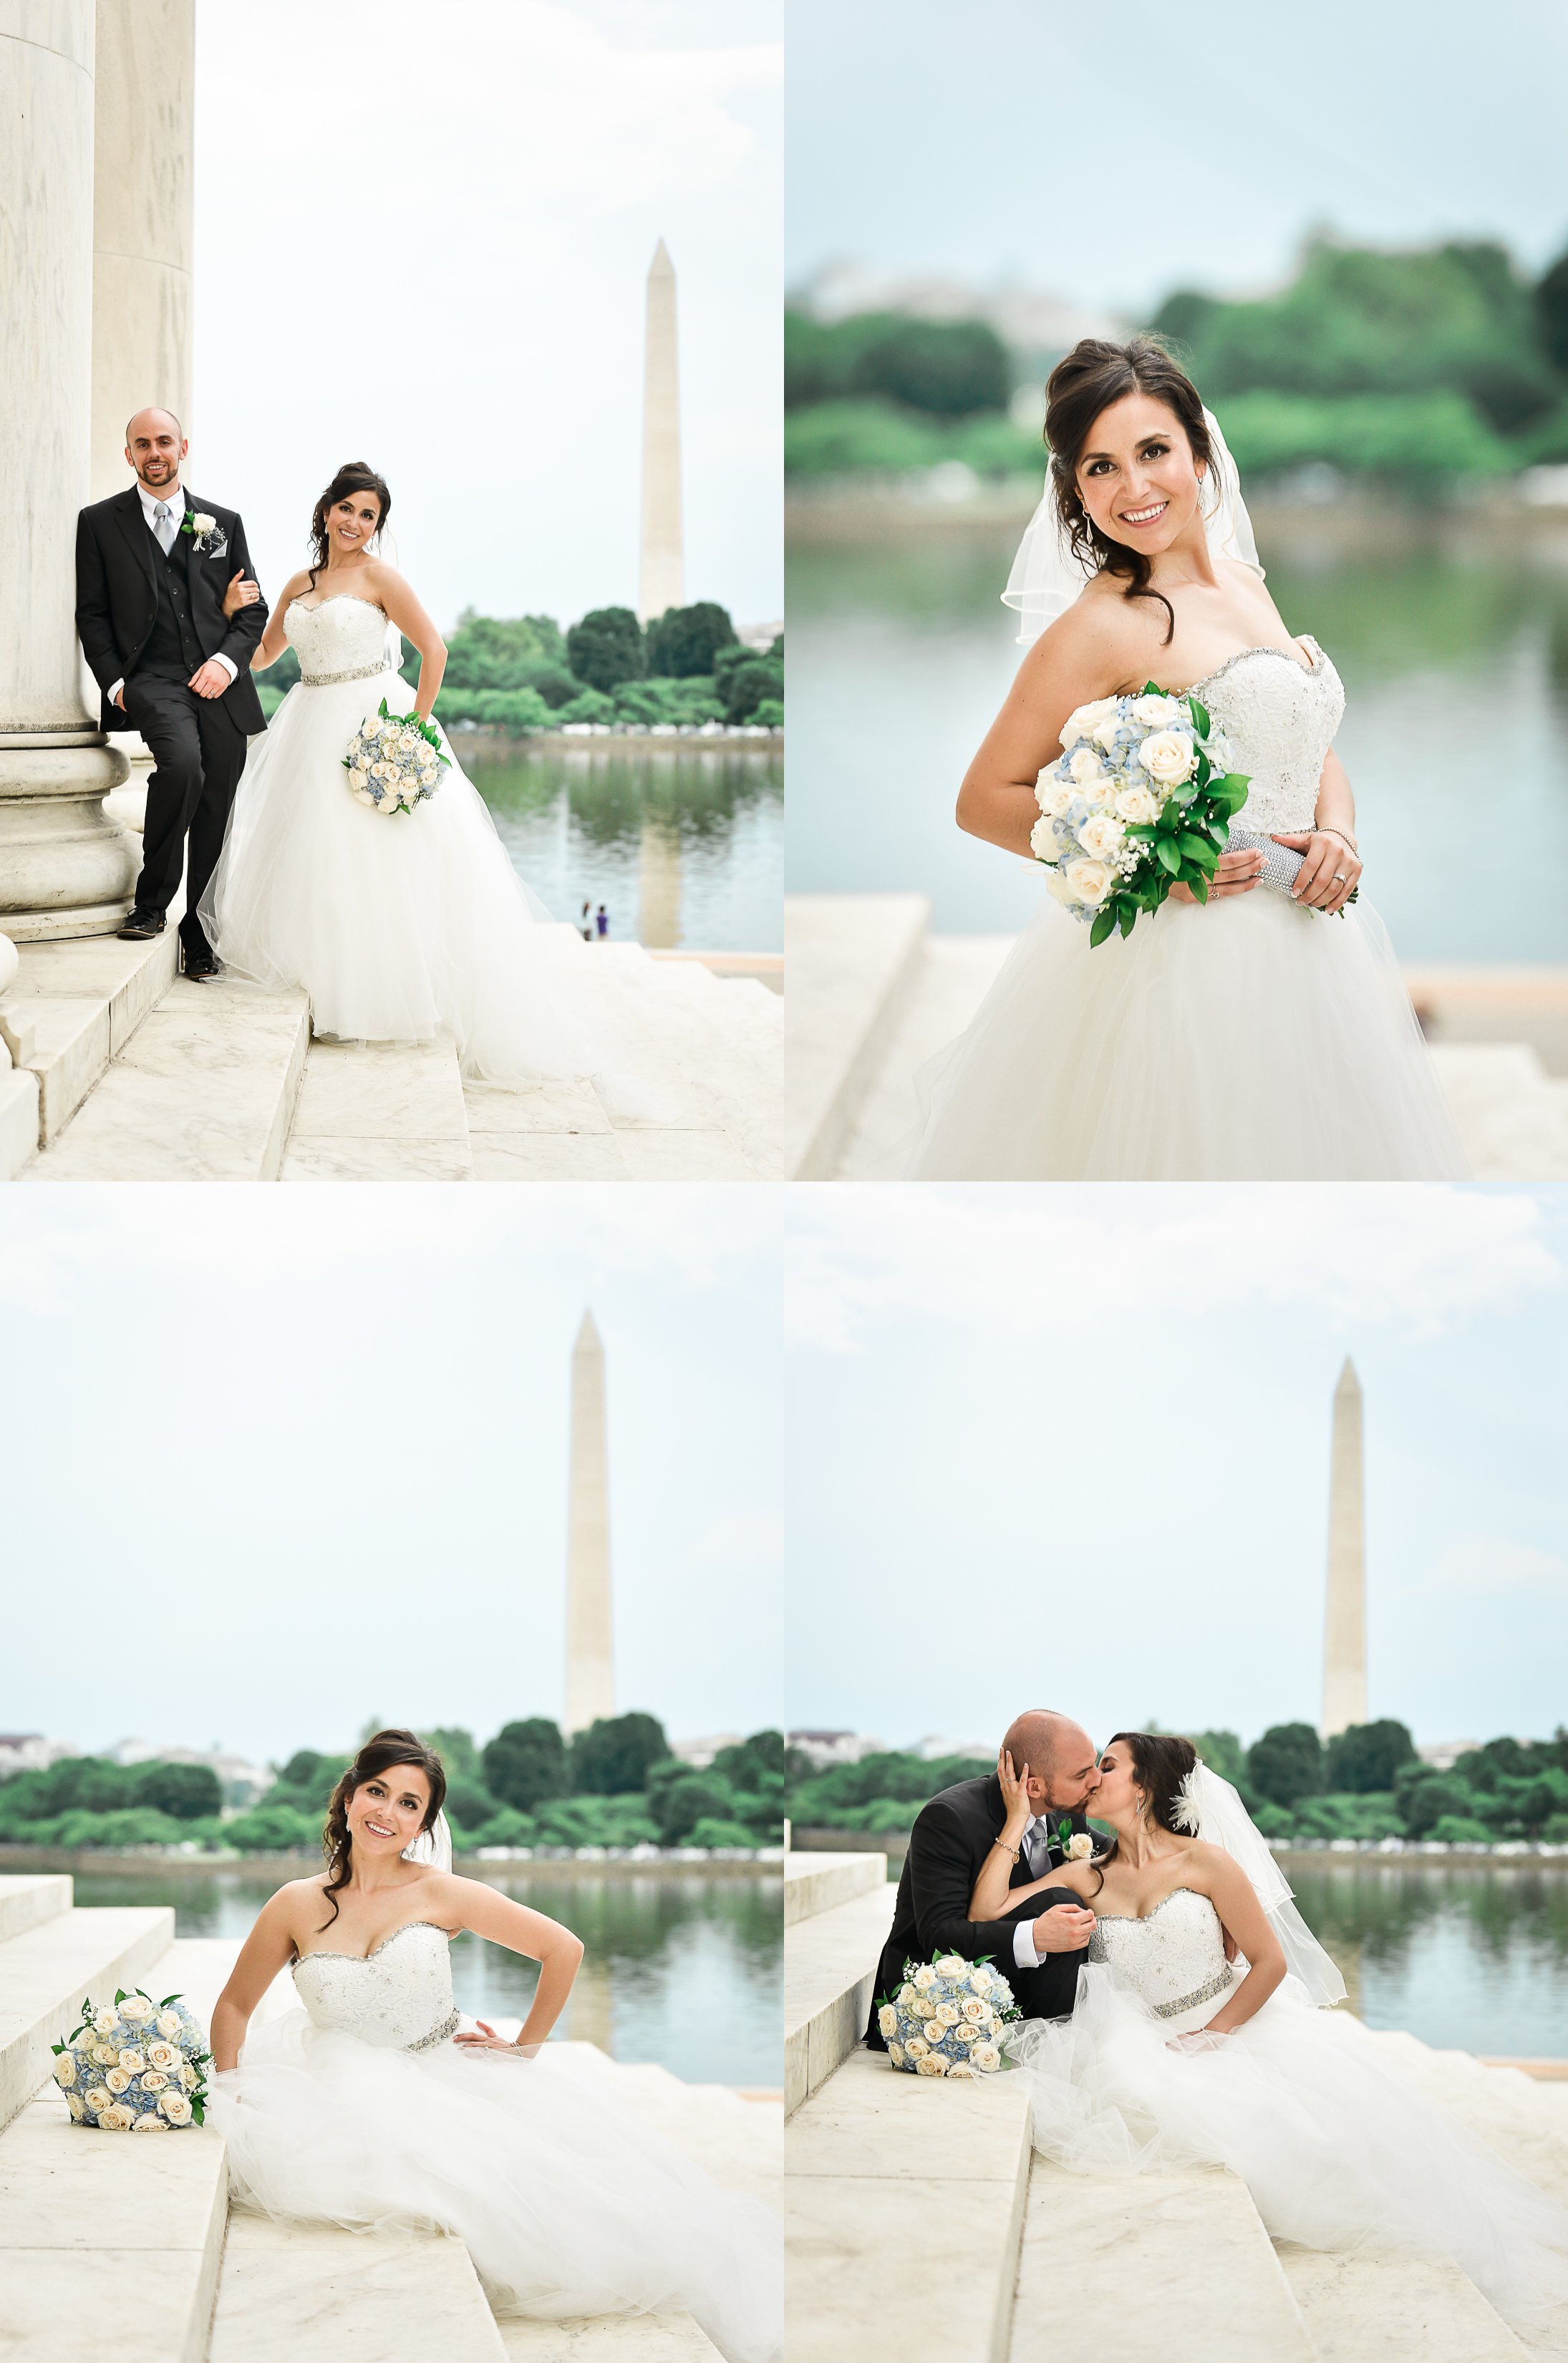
(1249, 1040)
(362, 2111)
(1338, 2147)
(411, 927)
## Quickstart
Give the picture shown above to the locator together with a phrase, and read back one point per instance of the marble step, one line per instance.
(380, 1112)
(47, 1969)
(609, 2338)
(1378, 2308)
(1176, 2264)
(851, 961)
(904, 2203)
(740, 2143)
(315, 2293)
(73, 1006)
(816, 1882)
(29, 1898)
(18, 1115)
(203, 1091)
(830, 1965)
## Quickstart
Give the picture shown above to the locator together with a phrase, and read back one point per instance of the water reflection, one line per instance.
(683, 1969)
(1455, 663)
(683, 845)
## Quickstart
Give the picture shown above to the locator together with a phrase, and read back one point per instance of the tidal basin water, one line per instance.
(683, 845)
(681, 1968)
(1473, 1959)
(1454, 657)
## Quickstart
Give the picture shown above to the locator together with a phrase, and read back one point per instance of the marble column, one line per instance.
(661, 577)
(1344, 1624)
(65, 867)
(590, 1651)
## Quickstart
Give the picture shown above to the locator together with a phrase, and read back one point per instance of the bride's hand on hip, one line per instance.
(487, 2039)
(1234, 873)
(1329, 868)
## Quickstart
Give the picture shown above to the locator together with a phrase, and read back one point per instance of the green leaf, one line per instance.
(1167, 855)
(119, 1997)
(1200, 715)
(1199, 850)
(1129, 918)
(1233, 789)
(1105, 921)
(1151, 689)
(1199, 888)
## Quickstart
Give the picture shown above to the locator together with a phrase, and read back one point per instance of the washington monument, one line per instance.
(661, 581)
(1344, 1622)
(590, 1648)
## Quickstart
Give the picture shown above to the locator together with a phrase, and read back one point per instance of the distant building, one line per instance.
(1037, 327)
(761, 637)
(1444, 1754)
(29, 1751)
(700, 1753)
(939, 1744)
(822, 1748)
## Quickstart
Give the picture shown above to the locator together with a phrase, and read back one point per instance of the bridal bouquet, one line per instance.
(394, 762)
(944, 2020)
(137, 2068)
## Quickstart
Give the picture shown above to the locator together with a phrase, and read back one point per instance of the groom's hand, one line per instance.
(1065, 1928)
(210, 680)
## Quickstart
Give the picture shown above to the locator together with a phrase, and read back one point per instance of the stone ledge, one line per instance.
(46, 1971)
(852, 960)
(29, 1898)
(1400, 2309)
(816, 1882)
(830, 1968)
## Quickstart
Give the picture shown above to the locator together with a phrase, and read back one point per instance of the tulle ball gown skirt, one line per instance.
(1251, 1040)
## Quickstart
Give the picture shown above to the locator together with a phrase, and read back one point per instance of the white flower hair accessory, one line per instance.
(1211, 1810)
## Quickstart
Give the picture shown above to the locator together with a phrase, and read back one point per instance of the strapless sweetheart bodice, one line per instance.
(398, 1997)
(1279, 722)
(1174, 1958)
(338, 638)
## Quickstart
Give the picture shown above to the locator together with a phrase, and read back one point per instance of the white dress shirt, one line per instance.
(151, 502)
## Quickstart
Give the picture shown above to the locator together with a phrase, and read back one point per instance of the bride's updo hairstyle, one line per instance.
(1161, 1763)
(376, 1756)
(1093, 376)
(354, 476)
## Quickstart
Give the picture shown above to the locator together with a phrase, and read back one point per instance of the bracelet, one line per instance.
(1343, 839)
(1012, 1853)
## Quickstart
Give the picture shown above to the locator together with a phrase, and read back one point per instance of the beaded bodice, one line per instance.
(343, 638)
(1175, 1958)
(398, 1997)
(1279, 722)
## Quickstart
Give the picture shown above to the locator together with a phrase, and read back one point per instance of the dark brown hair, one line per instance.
(1161, 1762)
(376, 1756)
(1093, 376)
(354, 476)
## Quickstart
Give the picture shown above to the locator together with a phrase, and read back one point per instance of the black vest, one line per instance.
(173, 647)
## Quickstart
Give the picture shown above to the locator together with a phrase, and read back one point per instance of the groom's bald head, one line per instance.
(1059, 1753)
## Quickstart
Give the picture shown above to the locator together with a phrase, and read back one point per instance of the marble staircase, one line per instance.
(114, 1068)
(921, 2226)
(874, 994)
(135, 2243)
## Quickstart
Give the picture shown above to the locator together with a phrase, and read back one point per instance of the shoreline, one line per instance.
(1418, 1853)
(130, 1863)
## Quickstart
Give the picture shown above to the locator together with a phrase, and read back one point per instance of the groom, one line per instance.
(1040, 1946)
(149, 589)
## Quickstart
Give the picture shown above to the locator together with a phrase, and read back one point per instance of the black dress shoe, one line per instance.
(201, 967)
(141, 925)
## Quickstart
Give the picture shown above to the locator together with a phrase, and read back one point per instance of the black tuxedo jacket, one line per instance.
(952, 1836)
(116, 602)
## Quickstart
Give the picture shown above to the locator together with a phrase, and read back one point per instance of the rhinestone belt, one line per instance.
(329, 680)
(448, 2027)
(1216, 1985)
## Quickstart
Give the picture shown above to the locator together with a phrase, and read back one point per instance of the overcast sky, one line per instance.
(296, 1458)
(1070, 1448)
(1109, 154)
(422, 239)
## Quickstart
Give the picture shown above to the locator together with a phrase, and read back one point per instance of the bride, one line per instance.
(373, 2105)
(400, 927)
(1263, 1037)
(1175, 2056)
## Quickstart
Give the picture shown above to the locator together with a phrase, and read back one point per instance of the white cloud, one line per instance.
(1486, 1563)
(1421, 1257)
(749, 1539)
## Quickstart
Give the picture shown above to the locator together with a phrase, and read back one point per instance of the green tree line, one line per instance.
(524, 673)
(1367, 1782)
(1416, 367)
(616, 1784)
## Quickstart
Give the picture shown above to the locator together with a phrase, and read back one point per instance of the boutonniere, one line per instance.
(1077, 1845)
(208, 539)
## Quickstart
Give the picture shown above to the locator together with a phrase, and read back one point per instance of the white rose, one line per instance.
(74, 2102)
(133, 2061)
(947, 2015)
(1101, 836)
(917, 2046)
(148, 2124)
(1043, 841)
(1080, 1846)
(1085, 720)
(1057, 886)
(895, 2054)
(932, 2065)
(980, 1979)
(1138, 804)
(189, 2078)
(970, 2033)
(1158, 712)
(175, 2107)
(116, 2119)
(104, 2054)
(888, 2019)
(154, 2081)
(98, 2099)
(356, 779)
(171, 2023)
(104, 2023)
(987, 2057)
(1167, 756)
(202, 522)
(117, 2080)
(1104, 733)
(1090, 881)
(960, 2068)
(905, 1994)
(923, 2007)
(65, 2071)
(925, 1977)
(951, 1965)
(1085, 767)
(136, 2010)
(973, 2009)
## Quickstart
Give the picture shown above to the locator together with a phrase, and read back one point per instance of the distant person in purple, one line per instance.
(601, 921)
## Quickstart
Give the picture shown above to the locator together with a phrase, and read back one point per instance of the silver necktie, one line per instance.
(163, 527)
